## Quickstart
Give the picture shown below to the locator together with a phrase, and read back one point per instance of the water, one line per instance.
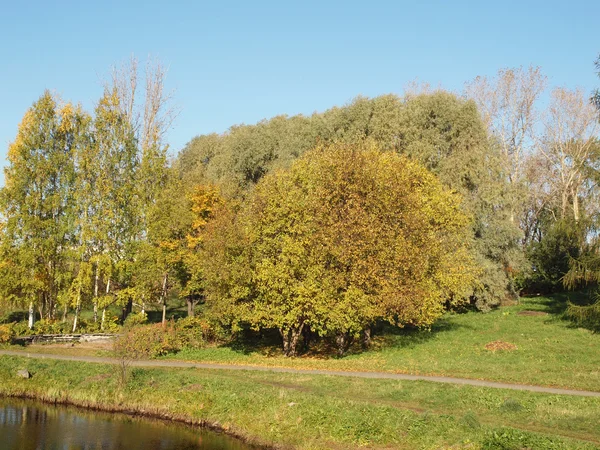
(27, 425)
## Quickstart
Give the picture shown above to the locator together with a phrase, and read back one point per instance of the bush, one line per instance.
(46, 326)
(147, 341)
(7, 333)
(134, 320)
(21, 328)
(192, 332)
(111, 325)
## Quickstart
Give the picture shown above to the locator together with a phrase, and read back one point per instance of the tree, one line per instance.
(113, 218)
(596, 94)
(508, 104)
(131, 127)
(441, 131)
(37, 198)
(347, 236)
(447, 136)
(204, 201)
(570, 147)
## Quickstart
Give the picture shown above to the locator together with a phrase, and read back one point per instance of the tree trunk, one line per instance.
(104, 309)
(190, 305)
(366, 337)
(343, 341)
(42, 305)
(164, 299)
(564, 203)
(31, 316)
(290, 337)
(127, 310)
(575, 206)
(306, 338)
(77, 309)
(96, 295)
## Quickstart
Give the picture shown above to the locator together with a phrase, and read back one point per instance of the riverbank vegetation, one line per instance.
(305, 411)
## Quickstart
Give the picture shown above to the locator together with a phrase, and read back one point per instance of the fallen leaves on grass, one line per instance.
(500, 346)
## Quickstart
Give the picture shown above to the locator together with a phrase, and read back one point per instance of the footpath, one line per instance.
(375, 375)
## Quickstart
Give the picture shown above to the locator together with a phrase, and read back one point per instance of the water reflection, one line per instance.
(26, 425)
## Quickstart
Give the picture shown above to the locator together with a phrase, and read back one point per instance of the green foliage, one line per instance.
(193, 332)
(587, 316)
(7, 333)
(347, 236)
(446, 135)
(441, 131)
(551, 256)
(514, 439)
(46, 326)
(135, 320)
(146, 341)
(36, 202)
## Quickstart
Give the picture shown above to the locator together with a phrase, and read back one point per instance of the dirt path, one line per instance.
(376, 375)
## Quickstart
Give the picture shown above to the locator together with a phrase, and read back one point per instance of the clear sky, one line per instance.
(240, 62)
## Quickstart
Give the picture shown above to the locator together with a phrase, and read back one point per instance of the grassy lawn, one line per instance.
(550, 351)
(313, 412)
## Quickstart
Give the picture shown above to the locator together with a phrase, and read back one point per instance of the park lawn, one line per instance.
(317, 411)
(550, 351)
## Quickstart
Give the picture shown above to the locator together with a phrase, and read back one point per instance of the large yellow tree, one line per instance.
(347, 236)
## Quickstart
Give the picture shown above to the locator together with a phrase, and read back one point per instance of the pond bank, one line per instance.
(33, 391)
(135, 412)
(35, 424)
(304, 411)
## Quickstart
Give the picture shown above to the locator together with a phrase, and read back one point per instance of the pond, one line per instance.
(27, 425)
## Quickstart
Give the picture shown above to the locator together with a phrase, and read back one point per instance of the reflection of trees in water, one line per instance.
(28, 426)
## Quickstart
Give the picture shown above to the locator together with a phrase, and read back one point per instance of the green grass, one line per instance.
(314, 412)
(550, 351)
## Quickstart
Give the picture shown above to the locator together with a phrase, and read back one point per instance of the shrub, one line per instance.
(46, 326)
(192, 332)
(134, 320)
(147, 341)
(21, 328)
(111, 325)
(85, 326)
(7, 333)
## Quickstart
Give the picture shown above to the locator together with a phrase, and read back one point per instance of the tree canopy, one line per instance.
(347, 236)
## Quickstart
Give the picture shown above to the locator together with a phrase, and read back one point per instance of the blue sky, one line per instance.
(240, 62)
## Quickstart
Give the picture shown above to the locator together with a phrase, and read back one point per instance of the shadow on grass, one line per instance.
(268, 342)
(409, 337)
(556, 305)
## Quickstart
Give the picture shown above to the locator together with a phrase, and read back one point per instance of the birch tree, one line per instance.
(508, 104)
(37, 198)
(569, 146)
